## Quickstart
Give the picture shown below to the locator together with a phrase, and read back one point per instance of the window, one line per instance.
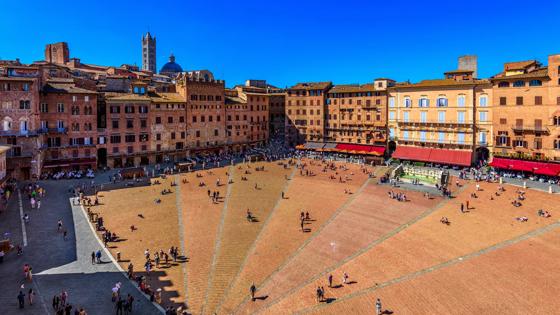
(423, 102)
(538, 100)
(405, 135)
(198, 133)
(558, 100)
(129, 124)
(503, 84)
(406, 116)
(25, 87)
(461, 117)
(423, 116)
(519, 100)
(129, 109)
(392, 132)
(158, 120)
(116, 139)
(44, 108)
(391, 115)
(115, 124)
(535, 83)
(172, 136)
(407, 102)
(461, 138)
(441, 116)
(74, 98)
(519, 83)
(441, 137)
(483, 116)
(158, 136)
(216, 132)
(483, 101)
(115, 109)
(86, 98)
(129, 138)
(24, 104)
(482, 137)
(60, 108)
(182, 119)
(391, 102)
(503, 100)
(441, 102)
(143, 123)
(170, 119)
(422, 136)
(461, 101)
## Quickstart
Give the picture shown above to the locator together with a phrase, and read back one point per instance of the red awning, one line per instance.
(443, 156)
(360, 148)
(540, 168)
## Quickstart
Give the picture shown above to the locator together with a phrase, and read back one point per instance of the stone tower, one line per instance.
(149, 53)
(57, 53)
(469, 62)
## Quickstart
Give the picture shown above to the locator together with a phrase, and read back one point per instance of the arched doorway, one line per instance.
(482, 154)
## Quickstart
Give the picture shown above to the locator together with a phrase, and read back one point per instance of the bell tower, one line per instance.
(149, 53)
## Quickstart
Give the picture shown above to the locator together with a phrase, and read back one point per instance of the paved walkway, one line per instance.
(58, 264)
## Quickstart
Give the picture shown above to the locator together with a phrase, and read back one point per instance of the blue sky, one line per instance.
(284, 42)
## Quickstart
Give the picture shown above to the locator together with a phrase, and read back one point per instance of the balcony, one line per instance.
(530, 128)
(420, 141)
(58, 130)
(20, 133)
(452, 124)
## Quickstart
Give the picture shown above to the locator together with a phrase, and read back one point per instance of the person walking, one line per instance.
(378, 308)
(93, 257)
(119, 306)
(30, 296)
(98, 256)
(59, 225)
(21, 299)
(330, 281)
(253, 290)
(129, 300)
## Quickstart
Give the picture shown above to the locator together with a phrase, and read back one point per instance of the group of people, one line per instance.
(399, 196)
(68, 174)
(62, 306)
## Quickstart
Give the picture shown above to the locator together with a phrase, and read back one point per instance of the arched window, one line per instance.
(535, 83)
(519, 83)
(7, 124)
(483, 101)
(503, 84)
(423, 101)
(23, 126)
(441, 101)
(407, 102)
(461, 101)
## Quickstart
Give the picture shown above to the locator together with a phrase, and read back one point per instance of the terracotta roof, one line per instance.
(518, 65)
(352, 88)
(442, 83)
(129, 97)
(312, 86)
(4, 148)
(167, 98)
(459, 71)
(230, 100)
(539, 73)
(55, 87)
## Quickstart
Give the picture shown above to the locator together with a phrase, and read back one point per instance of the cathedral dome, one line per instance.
(171, 68)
